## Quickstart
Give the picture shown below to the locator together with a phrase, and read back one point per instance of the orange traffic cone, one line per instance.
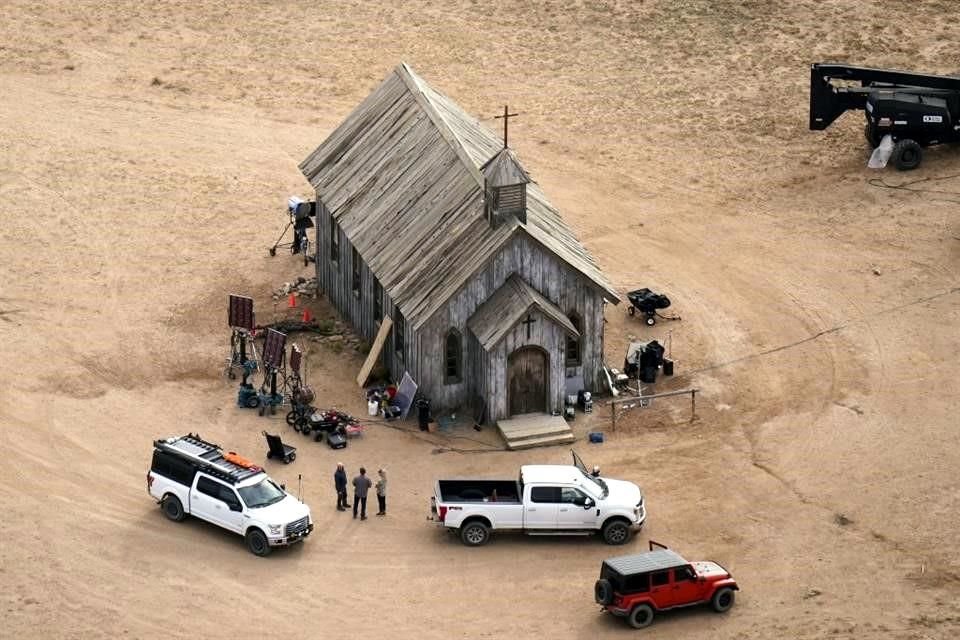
(306, 315)
(292, 303)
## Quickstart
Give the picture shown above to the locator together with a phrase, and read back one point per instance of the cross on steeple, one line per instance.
(529, 321)
(506, 117)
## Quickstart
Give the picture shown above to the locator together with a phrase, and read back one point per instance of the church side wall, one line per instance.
(335, 279)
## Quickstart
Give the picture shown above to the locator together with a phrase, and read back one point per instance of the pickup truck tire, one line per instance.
(257, 543)
(474, 533)
(616, 531)
(722, 599)
(172, 508)
(603, 592)
(640, 616)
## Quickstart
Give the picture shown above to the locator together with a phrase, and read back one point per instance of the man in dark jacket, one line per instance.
(361, 484)
(340, 482)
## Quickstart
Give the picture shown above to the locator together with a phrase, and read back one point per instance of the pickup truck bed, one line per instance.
(478, 490)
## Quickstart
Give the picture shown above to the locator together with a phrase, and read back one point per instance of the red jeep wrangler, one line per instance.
(638, 585)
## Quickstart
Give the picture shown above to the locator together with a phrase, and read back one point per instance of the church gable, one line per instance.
(509, 306)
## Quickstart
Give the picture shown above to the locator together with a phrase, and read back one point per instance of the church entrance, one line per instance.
(528, 378)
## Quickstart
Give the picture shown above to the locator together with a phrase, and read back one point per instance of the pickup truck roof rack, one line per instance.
(207, 456)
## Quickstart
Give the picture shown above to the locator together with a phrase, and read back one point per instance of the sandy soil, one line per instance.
(147, 153)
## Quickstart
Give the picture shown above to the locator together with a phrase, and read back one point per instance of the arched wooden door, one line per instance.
(528, 378)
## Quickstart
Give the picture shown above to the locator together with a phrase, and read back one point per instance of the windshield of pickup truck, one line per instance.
(597, 480)
(600, 483)
(262, 494)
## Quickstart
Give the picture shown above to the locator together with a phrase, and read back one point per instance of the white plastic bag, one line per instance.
(880, 155)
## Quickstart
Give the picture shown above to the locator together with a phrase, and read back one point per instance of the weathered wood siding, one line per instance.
(569, 290)
(335, 280)
(543, 333)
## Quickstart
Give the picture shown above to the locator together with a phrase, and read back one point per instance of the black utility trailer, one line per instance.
(917, 110)
(647, 302)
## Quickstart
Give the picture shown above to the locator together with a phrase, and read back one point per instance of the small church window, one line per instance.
(355, 264)
(453, 357)
(398, 331)
(334, 241)
(377, 302)
(573, 344)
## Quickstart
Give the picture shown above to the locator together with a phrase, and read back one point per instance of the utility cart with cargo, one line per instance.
(637, 586)
(190, 476)
(543, 500)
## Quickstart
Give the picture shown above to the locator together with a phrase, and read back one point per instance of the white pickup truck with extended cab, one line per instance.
(190, 476)
(545, 500)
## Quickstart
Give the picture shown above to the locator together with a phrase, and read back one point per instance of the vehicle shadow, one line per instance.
(195, 537)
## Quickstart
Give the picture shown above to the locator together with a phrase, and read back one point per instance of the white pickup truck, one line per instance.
(545, 500)
(190, 476)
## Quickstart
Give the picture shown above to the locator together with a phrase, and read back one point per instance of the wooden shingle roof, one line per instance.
(507, 306)
(504, 169)
(401, 176)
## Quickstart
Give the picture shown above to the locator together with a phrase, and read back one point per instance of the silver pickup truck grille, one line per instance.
(296, 526)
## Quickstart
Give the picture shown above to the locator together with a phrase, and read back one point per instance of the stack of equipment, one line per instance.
(643, 359)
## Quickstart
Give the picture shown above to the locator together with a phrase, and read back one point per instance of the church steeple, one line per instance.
(506, 187)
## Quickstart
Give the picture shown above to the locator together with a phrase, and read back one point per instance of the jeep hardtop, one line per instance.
(190, 476)
(636, 586)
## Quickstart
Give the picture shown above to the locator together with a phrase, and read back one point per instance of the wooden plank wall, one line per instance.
(543, 333)
(542, 270)
(336, 282)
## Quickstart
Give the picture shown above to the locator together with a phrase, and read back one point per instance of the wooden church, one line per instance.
(426, 217)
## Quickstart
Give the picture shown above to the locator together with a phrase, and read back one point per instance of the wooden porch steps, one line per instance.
(535, 430)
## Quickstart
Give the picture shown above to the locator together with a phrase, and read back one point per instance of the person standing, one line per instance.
(382, 492)
(340, 482)
(361, 484)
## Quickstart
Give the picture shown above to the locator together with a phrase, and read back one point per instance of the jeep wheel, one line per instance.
(616, 532)
(907, 155)
(722, 600)
(474, 534)
(603, 592)
(172, 508)
(257, 543)
(640, 616)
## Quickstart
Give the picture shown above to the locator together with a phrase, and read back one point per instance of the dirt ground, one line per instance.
(146, 154)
